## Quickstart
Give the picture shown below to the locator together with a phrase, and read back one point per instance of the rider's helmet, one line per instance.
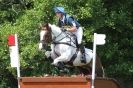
(59, 10)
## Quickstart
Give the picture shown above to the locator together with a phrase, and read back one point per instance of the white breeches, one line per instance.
(79, 34)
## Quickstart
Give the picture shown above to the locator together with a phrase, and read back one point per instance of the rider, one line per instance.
(66, 20)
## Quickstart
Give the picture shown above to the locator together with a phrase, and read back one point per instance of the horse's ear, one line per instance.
(47, 26)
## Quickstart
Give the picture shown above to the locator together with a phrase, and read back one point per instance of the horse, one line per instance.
(64, 49)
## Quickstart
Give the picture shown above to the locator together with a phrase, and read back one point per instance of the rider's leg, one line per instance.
(79, 35)
(82, 49)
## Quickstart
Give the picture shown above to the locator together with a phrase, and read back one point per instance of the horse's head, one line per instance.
(45, 35)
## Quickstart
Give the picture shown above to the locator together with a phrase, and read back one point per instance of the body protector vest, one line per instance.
(68, 21)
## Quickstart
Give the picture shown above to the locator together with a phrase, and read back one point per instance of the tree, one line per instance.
(111, 17)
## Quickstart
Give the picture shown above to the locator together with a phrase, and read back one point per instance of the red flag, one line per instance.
(11, 40)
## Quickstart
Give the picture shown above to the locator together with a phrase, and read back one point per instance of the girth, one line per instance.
(72, 59)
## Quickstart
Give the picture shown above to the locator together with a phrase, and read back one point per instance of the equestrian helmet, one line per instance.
(59, 10)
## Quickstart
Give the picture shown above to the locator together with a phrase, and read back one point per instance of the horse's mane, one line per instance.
(48, 37)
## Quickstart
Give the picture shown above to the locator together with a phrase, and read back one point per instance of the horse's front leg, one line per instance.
(58, 62)
(50, 54)
(61, 58)
(65, 56)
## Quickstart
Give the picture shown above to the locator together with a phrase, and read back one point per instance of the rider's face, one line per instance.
(59, 15)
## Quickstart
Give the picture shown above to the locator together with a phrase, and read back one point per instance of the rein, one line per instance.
(66, 43)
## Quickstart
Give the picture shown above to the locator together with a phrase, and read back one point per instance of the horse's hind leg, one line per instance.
(99, 68)
(85, 70)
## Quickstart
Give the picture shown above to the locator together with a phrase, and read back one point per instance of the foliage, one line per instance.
(111, 17)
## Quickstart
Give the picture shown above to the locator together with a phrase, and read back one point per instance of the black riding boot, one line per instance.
(82, 49)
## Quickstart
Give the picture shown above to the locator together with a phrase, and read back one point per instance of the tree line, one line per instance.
(111, 17)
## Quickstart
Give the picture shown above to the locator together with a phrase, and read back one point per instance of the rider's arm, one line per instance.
(73, 27)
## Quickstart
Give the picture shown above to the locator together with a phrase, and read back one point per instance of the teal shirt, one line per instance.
(68, 21)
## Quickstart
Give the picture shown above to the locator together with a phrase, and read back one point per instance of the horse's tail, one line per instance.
(99, 68)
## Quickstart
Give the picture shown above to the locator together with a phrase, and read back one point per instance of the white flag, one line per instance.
(13, 48)
(99, 39)
(14, 56)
